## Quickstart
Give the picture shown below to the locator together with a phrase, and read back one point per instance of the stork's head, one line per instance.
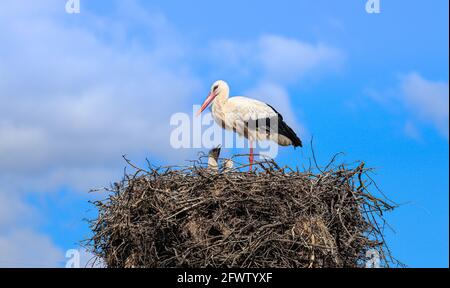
(219, 87)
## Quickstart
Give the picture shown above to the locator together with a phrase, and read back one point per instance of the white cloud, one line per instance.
(25, 248)
(76, 94)
(287, 59)
(417, 102)
(412, 131)
(276, 58)
(426, 100)
(12, 209)
(71, 99)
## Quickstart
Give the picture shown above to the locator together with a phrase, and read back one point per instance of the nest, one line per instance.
(270, 217)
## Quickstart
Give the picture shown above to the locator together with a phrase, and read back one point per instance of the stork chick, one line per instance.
(213, 159)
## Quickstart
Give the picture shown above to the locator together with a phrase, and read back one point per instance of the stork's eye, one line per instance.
(215, 87)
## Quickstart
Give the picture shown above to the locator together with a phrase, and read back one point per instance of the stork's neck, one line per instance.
(220, 100)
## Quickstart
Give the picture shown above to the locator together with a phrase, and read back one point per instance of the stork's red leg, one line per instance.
(251, 155)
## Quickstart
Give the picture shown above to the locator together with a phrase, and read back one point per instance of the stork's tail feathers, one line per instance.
(287, 131)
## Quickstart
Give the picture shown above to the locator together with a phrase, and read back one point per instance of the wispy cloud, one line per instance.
(426, 100)
(74, 98)
(419, 102)
(288, 60)
(276, 58)
(71, 100)
(26, 248)
(412, 131)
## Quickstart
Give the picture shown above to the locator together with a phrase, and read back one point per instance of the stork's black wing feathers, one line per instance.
(285, 130)
(282, 128)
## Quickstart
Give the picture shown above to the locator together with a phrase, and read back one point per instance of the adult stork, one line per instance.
(253, 119)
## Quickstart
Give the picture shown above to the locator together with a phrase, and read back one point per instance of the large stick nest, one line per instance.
(271, 217)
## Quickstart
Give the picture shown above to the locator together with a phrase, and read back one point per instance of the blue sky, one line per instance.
(80, 90)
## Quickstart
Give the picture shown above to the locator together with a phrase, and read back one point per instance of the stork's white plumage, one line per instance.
(248, 117)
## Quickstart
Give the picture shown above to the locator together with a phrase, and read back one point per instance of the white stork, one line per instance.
(253, 119)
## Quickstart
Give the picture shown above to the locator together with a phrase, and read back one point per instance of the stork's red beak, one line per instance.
(205, 104)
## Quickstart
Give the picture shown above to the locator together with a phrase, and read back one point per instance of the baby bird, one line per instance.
(213, 161)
